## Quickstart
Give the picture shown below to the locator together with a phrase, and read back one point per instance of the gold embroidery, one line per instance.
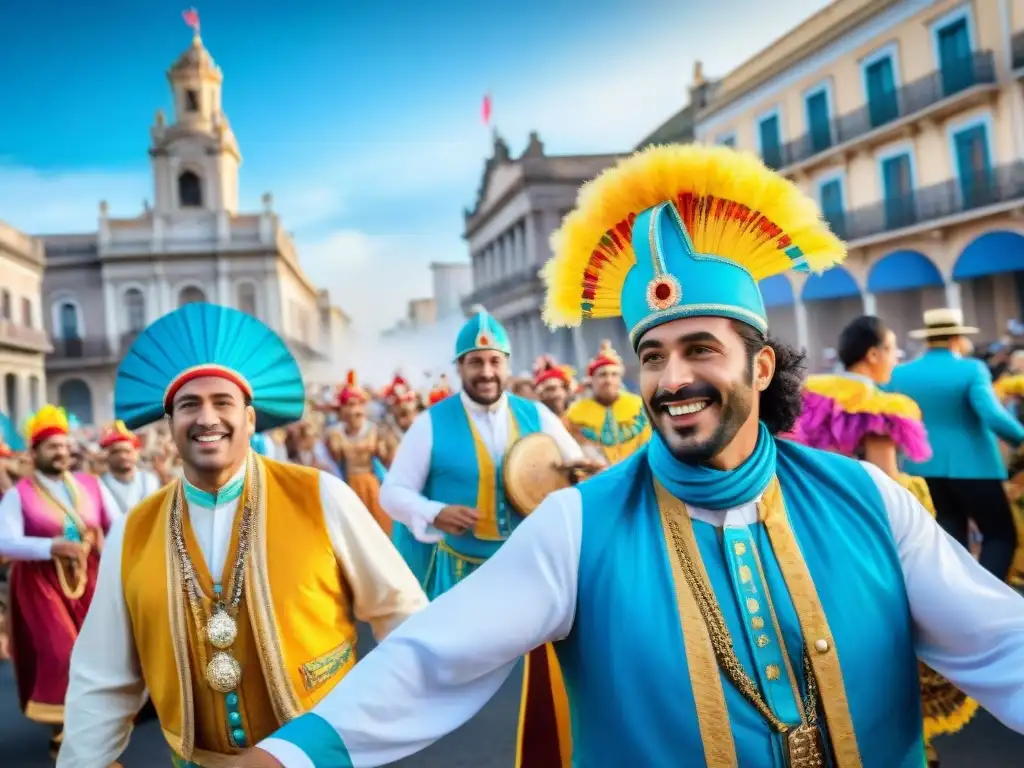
(752, 605)
(740, 548)
(762, 641)
(772, 672)
(757, 622)
(321, 669)
(745, 574)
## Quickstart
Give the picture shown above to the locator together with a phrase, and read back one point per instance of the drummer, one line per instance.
(445, 479)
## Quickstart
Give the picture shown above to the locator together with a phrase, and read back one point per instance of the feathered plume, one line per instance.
(46, 422)
(732, 207)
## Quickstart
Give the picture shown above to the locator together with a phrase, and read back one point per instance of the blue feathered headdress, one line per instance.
(208, 340)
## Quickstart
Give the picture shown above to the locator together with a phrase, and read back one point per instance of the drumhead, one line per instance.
(530, 472)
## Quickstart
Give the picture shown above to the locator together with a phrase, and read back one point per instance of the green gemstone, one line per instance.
(239, 736)
(231, 700)
(235, 719)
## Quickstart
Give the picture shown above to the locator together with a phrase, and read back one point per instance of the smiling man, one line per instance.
(721, 598)
(231, 594)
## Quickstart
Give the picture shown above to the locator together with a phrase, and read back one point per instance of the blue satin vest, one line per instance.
(454, 476)
(624, 663)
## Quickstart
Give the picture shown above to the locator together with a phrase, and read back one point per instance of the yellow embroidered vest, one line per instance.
(296, 636)
(617, 430)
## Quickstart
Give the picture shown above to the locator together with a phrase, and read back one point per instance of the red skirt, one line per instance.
(44, 624)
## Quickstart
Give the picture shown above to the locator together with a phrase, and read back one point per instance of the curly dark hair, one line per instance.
(780, 402)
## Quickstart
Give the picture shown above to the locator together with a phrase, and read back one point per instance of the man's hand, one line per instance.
(68, 550)
(579, 469)
(456, 519)
(256, 758)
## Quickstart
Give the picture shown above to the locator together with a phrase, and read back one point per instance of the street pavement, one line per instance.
(487, 741)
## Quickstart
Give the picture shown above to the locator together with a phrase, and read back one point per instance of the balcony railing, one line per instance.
(1017, 50)
(985, 187)
(22, 337)
(88, 348)
(914, 97)
(523, 280)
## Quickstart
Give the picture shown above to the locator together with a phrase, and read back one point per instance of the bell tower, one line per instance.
(195, 158)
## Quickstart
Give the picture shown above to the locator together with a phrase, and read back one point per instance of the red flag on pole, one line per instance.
(191, 17)
(485, 112)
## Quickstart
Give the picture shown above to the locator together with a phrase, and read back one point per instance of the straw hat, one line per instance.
(943, 322)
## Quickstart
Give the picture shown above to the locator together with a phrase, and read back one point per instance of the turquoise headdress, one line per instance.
(200, 340)
(680, 231)
(482, 331)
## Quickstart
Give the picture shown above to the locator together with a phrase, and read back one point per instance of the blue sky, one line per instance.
(363, 119)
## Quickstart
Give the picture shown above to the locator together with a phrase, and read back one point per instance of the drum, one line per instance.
(531, 471)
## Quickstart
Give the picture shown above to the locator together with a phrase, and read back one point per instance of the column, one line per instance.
(111, 316)
(223, 286)
(518, 246)
(870, 304)
(954, 299)
(579, 345)
(272, 300)
(530, 233)
(538, 334)
(802, 335)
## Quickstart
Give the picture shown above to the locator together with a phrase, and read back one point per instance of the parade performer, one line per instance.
(611, 421)
(52, 526)
(439, 391)
(356, 448)
(553, 384)
(231, 595)
(720, 595)
(849, 414)
(128, 485)
(965, 421)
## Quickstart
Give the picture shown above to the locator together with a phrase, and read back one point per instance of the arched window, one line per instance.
(11, 397)
(135, 310)
(33, 393)
(5, 304)
(247, 298)
(74, 396)
(69, 321)
(190, 295)
(190, 190)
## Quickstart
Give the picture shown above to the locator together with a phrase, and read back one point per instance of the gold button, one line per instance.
(745, 574)
(821, 646)
(752, 605)
(762, 641)
(757, 622)
(772, 672)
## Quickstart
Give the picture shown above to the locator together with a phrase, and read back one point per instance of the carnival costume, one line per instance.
(235, 609)
(143, 482)
(439, 391)
(50, 596)
(839, 412)
(616, 430)
(759, 617)
(546, 369)
(358, 456)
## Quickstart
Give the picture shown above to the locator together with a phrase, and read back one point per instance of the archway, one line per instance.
(779, 301)
(990, 270)
(905, 284)
(832, 300)
(190, 295)
(75, 397)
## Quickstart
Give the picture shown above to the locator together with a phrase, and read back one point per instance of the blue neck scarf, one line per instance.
(715, 489)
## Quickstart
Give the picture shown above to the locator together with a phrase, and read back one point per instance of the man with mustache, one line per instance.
(128, 485)
(52, 525)
(232, 593)
(553, 384)
(610, 423)
(721, 598)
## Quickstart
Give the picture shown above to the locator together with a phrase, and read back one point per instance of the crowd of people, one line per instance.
(211, 552)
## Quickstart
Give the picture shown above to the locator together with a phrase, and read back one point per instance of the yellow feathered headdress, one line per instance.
(46, 422)
(682, 230)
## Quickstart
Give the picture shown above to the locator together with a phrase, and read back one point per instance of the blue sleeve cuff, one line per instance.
(318, 739)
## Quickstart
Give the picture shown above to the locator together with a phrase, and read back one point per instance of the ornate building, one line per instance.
(101, 288)
(521, 202)
(23, 342)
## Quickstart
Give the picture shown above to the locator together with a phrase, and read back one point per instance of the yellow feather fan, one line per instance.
(732, 207)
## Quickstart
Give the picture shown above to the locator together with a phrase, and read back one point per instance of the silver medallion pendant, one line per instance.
(221, 630)
(223, 673)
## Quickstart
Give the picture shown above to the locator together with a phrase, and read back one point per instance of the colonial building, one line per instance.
(679, 129)
(904, 118)
(23, 341)
(452, 282)
(193, 244)
(520, 203)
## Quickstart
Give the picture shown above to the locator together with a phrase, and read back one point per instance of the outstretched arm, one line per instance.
(438, 669)
(992, 413)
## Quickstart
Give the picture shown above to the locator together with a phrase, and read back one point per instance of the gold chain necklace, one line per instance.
(804, 748)
(223, 672)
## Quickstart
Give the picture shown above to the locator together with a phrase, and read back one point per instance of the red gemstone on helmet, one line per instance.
(484, 341)
(662, 291)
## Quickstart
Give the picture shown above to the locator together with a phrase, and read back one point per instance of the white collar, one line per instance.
(475, 407)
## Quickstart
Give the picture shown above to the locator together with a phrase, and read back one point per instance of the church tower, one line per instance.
(196, 158)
